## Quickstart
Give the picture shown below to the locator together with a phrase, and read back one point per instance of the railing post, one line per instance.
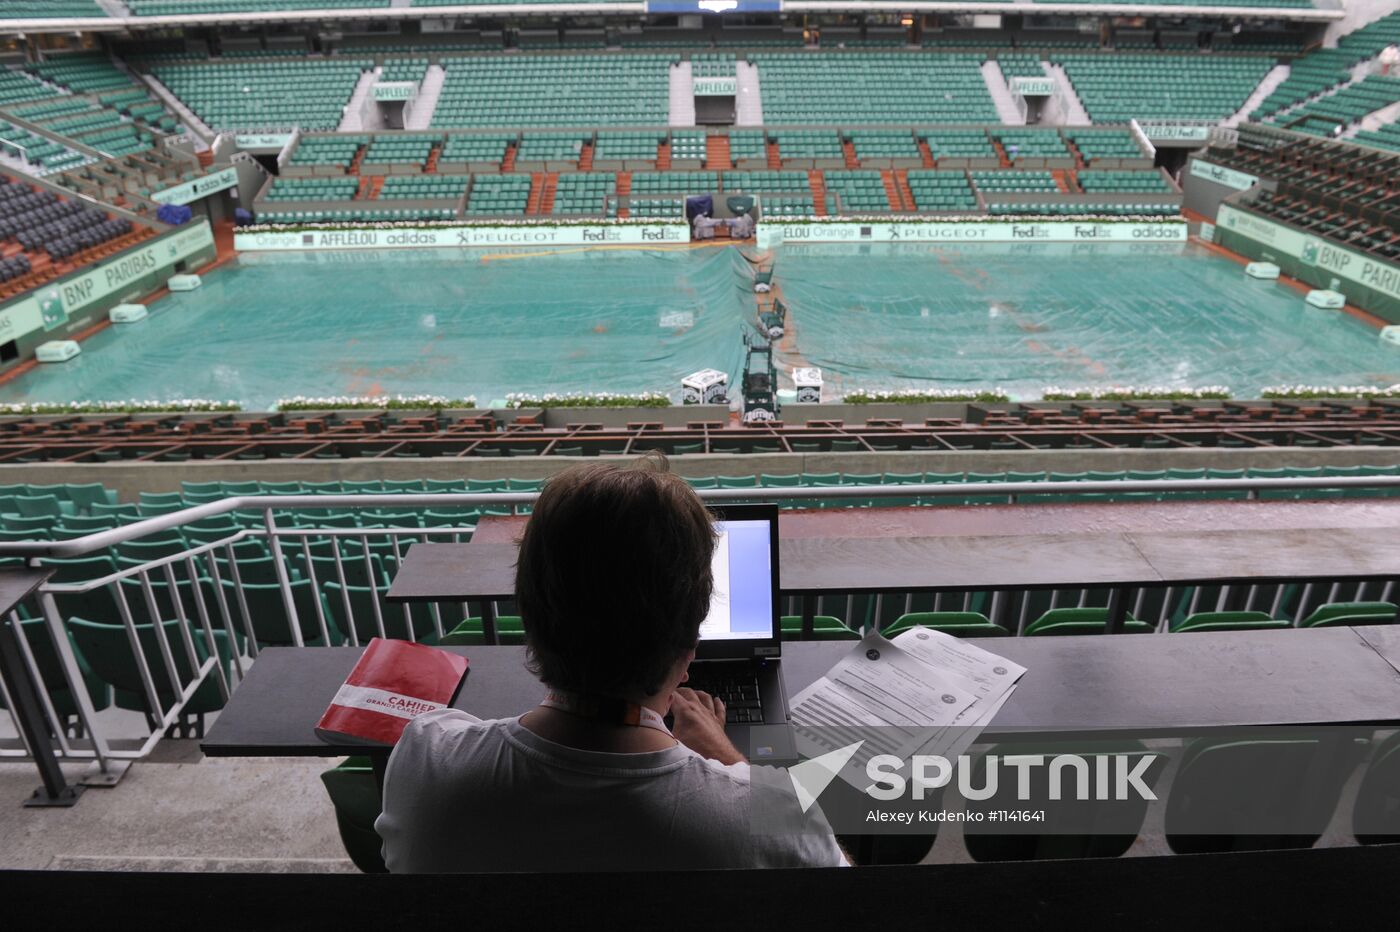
(77, 687)
(24, 694)
(284, 581)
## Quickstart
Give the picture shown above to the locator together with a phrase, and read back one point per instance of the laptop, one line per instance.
(739, 654)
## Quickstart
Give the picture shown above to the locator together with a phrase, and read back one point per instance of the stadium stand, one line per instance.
(1323, 69)
(475, 153)
(1117, 88)
(959, 144)
(559, 90)
(253, 96)
(1332, 189)
(33, 9)
(873, 87)
(328, 151)
(1330, 115)
(388, 150)
(307, 189)
(940, 191)
(587, 194)
(499, 195)
(430, 187)
(1386, 137)
(180, 7)
(855, 192)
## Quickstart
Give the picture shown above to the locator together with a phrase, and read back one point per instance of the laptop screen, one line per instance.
(742, 605)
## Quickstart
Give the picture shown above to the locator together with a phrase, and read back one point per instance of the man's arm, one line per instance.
(699, 725)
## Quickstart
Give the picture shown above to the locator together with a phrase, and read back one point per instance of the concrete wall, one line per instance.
(131, 478)
(95, 313)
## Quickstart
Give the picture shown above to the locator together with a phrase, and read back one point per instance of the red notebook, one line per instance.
(393, 683)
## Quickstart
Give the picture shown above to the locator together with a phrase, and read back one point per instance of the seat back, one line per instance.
(360, 604)
(1376, 814)
(1344, 614)
(824, 628)
(1081, 818)
(355, 794)
(958, 624)
(1252, 794)
(1231, 621)
(107, 652)
(268, 615)
(1063, 621)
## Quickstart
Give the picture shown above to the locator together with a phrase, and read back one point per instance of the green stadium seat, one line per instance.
(86, 495)
(268, 614)
(80, 569)
(38, 506)
(467, 633)
(1226, 791)
(1072, 827)
(958, 624)
(1231, 621)
(1069, 621)
(1376, 812)
(106, 650)
(824, 628)
(52, 677)
(1345, 614)
(361, 600)
(355, 794)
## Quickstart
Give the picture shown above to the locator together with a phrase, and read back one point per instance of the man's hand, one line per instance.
(699, 725)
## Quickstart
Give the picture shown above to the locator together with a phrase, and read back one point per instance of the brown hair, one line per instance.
(613, 579)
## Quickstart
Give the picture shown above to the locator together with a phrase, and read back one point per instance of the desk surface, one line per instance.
(17, 584)
(1152, 682)
(1051, 518)
(459, 572)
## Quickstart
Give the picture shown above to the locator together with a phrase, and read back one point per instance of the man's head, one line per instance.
(614, 577)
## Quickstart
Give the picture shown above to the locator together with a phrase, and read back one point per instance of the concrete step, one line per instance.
(748, 103)
(1001, 94)
(428, 92)
(682, 95)
(356, 117)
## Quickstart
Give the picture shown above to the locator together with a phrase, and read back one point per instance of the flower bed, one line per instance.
(1329, 391)
(176, 406)
(374, 403)
(1135, 393)
(589, 400)
(923, 396)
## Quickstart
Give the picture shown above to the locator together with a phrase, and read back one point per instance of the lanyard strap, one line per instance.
(604, 708)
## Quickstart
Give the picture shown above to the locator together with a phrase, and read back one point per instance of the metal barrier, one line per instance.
(199, 590)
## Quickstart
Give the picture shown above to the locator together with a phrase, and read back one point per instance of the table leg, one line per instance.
(1117, 610)
(23, 693)
(380, 763)
(809, 614)
(488, 622)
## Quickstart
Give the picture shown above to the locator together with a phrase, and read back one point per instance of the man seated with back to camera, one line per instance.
(613, 582)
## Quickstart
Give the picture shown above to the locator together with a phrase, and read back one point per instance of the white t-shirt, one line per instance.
(465, 795)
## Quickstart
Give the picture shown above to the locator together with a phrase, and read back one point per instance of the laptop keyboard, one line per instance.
(736, 688)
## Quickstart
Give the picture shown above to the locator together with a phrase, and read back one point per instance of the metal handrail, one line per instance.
(195, 617)
(101, 539)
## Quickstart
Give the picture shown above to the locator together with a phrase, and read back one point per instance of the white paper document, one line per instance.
(924, 692)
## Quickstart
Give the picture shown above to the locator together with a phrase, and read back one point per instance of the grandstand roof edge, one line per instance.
(118, 23)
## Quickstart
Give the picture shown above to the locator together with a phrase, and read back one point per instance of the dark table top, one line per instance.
(460, 572)
(17, 584)
(1135, 682)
